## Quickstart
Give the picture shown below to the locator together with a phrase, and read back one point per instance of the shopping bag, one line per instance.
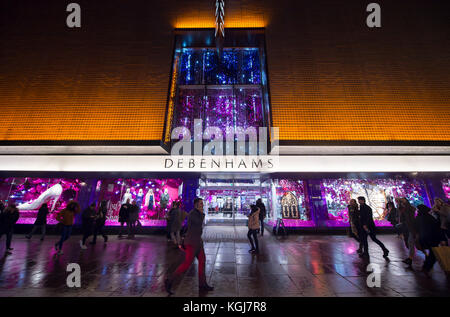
(443, 256)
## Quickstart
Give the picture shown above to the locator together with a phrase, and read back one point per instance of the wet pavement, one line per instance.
(314, 265)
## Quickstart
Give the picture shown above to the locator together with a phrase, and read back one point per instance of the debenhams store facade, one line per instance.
(338, 109)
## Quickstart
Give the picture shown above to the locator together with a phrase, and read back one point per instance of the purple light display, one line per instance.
(217, 103)
(378, 192)
(446, 187)
(153, 196)
(28, 190)
(284, 187)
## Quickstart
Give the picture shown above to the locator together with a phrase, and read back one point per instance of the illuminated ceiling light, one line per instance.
(220, 17)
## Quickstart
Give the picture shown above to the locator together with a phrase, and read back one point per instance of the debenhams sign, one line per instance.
(211, 149)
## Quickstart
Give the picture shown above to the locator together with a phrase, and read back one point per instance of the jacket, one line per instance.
(429, 230)
(8, 219)
(124, 213)
(88, 217)
(366, 217)
(262, 211)
(101, 217)
(134, 213)
(41, 218)
(407, 218)
(253, 220)
(174, 217)
(65, 217)
(194, 232)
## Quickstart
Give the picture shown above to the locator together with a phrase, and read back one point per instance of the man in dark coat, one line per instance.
(193, 244)
(262, 214)
(124, 215)
(8, 219)
(100, 220)
(40, 222)
(368, 228)
(430, 234)
(132, 218)
(88, 220)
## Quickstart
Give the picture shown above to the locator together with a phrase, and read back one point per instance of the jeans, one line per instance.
(35, 227)
(65, 234)
(430, 260)
(262, 226)
(192, 252)
(9, 234)
(131, 227)
(254, 233)
(121, 228)
(99, 230)
(176, 237)
(411, 245)
(365, 244)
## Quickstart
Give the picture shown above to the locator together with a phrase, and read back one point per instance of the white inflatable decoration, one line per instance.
(51, 193)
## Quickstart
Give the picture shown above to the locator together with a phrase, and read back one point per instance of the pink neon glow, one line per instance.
(293, 223)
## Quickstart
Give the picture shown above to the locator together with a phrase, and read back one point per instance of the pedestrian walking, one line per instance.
(66, 218)
(8, 219)
(175, 218)
(429, 234)
(87, 225)
(124, 215)
(407, 215)
(393, 217)
(355, 223)
(132, 219)
(40, 222)
(193, 245)
(368, 228)
(443, 209)
(262, 214)
(253, 227)
(100, 220)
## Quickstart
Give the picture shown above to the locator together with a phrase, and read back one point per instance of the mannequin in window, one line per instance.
(150, 200)
(140, 198)
(127, 196)
(164, 199)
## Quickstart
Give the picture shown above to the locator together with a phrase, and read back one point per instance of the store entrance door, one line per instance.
(227, 201)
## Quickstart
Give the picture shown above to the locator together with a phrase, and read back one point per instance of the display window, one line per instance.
(154, 197)
(338, 192)
(224, 88)
(289, 202)
(446, 187)
(29, 194)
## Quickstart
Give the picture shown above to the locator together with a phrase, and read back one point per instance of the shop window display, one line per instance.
(446, 187)
(29, 194)
(338, 192)
(289, 203)
(153, 196)
(224, 92)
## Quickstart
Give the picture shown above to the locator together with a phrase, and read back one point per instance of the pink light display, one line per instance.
(446, 187)
(27, 189)
(153, 196)
(295, 189)
(338, 192)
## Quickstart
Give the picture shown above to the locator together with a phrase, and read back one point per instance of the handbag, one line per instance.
(442, 254)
